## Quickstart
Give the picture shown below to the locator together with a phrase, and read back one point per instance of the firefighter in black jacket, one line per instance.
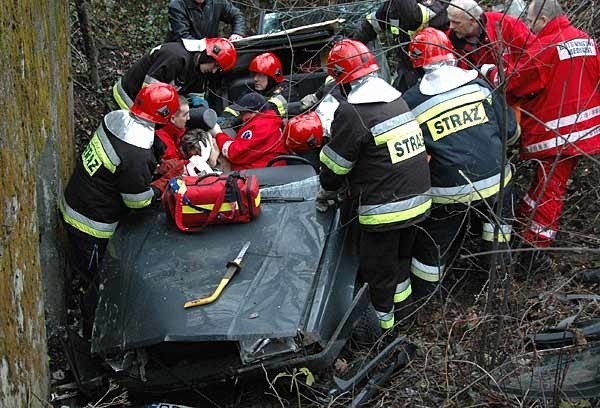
(402, 19)
(112, 177)
(197, 19)
(462, 122)
(377, 150)
(184, 64)
(270, 83)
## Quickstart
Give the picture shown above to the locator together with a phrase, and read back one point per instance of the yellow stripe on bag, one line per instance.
(186, 209)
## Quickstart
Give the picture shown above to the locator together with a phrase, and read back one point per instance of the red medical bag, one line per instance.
(195, 202)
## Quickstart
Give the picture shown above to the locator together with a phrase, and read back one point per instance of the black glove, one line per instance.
(326, 199)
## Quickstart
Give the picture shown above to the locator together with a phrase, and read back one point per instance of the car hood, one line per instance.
(151, 269)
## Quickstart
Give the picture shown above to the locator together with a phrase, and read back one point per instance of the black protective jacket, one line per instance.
(170, 63)
(112, 175)
(378, 150)
(281, 98)
(463, 134)
(189, 20)
(401, 19)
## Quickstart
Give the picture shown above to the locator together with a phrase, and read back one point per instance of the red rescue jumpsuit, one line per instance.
(560, 106)
(503, 35)
(257, 142)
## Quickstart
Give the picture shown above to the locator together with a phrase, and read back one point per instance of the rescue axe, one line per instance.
(232, 268)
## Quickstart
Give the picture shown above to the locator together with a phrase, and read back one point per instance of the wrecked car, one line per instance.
(294, 301)
(301, 39)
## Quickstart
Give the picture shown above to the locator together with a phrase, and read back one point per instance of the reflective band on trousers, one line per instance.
(139, 200)
(386, 319)
(121, 97)
(503, 232)
(403, 291)
(85, 224)
(393, 212)
(466, 193)
(542, 231)
(335, 162)
(429, 273)
(560, 140)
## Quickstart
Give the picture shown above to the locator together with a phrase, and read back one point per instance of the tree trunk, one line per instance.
(35, 136)
(91, 52)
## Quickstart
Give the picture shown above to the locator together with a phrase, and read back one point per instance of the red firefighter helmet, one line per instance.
(267, 64)
(430, 46)
(303, 133)
(223, 51)
(156, 102)
(349, 60)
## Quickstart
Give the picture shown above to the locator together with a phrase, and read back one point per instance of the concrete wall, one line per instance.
(36, 150)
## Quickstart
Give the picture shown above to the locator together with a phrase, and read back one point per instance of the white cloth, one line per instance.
(194, 45)
(445, 78)
(198, 166)
(370, 89)
(326, 110)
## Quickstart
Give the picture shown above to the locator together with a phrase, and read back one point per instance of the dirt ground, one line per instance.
(468, 336)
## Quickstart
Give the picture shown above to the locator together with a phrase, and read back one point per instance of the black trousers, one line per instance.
(439, 237)
(84, 255)
(385, 262)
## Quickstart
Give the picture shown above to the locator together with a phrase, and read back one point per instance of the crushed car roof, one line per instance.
(153, 269)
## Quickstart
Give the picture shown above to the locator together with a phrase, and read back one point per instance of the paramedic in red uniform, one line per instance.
(479, 37)
(259, 140)
(560, 117)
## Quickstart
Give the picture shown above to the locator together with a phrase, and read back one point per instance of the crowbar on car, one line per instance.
(232, 268)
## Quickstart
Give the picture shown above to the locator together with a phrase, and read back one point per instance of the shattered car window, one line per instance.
(285, 20)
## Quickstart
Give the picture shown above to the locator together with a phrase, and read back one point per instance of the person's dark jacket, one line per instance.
(170, 63)
(401, 19)
(189, 20)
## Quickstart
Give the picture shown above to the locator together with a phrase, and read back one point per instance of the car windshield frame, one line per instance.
(275, 21)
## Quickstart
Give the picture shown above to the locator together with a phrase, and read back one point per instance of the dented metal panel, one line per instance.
(153, 269)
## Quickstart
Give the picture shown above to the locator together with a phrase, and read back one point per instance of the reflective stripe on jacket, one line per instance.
(277, 98)
(170, 63)
(112, 175)
(403, 19)
(377, 148)
(462, 129)
(560, 101)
